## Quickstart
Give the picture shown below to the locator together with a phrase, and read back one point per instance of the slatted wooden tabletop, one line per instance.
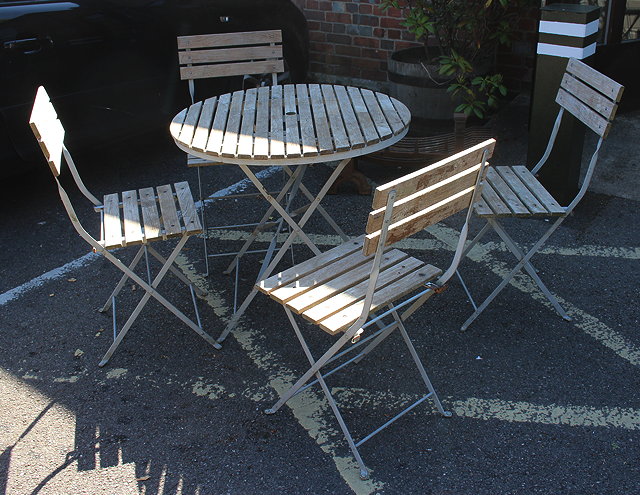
(301, 123)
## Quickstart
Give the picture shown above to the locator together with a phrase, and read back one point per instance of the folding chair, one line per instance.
(514, 191)
(140, 224)
(360, 283)
(223, 55)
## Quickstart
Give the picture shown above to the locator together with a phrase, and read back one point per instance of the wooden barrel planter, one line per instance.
(419, 86)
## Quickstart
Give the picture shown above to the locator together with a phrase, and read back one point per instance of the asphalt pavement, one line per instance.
(540, 405)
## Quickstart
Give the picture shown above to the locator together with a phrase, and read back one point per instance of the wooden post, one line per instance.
(565, 31)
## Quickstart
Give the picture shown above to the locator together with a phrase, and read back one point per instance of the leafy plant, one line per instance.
(466, 34)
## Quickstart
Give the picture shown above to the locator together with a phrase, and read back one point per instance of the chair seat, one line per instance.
(329, 289)
(515, 191)
(140, 221)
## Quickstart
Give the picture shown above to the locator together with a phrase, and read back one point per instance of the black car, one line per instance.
(114, 62)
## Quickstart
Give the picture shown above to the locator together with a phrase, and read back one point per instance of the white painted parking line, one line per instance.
(54, 274)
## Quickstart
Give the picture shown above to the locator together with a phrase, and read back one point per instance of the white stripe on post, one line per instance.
(566, 51)
(569, 28)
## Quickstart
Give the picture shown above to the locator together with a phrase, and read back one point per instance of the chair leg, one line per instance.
(205, 234)
(177, 273)
(364, 472)
(521, 263)
(151, 292)
(123, 280)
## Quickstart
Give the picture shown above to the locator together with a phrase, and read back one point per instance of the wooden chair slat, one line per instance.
(350, 120)
(364, 119)
(506, 194)
(112, 223)
(229, 39)
(214, 144)
(338, 303)
(276, 137)
(190, 217)
(599, 81)
(322, 291)
(170, 220)
(307, 131)
(426, 177)
(233, 69)
(201, 134)
(538, 190)
(597, 101)
(150, 218)
(131, 214)
(340, 139)
(592, 119)
(294, 273)
(325, 143)
(497, 207)
(408, 282)
(517, 186)
(420, 221)
(232, 129)
(337, 267)
(481, 207)
(292, 131)
(245, 140)
(424, 198)
(226, 55)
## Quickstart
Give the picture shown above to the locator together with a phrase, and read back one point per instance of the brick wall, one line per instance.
(351, 40)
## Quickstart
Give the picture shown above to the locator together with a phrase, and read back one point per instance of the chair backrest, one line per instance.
(49, 132)
(427, 196)
(230, 54)
(589, 96)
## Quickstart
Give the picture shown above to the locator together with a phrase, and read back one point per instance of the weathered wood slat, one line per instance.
(364, 118)
(538, 190)
(599, 81)
(233, 69)
(397, 289)
(201, 134)
(597, 101)
(276, 141)
(350, 120)
(322, 274)
(190, 218)
(245, 140)
(150, 218)
(588, 117)
(131, 214)
(229, 39)
(261, 141)
(294, 273)
(323, 133)
(307, 131)
(504, 191)
(221, 55)
(482, 208)
(420, 221)
(340, 283)
(216, 136)
(190, 122)
(382, 126)
(490, 196)
(426, 177)
(112, 224)
(340, 140)
(170, 220)
(391, 114)
(292, 132)
(337, 304)
(517, 186)
(231, 132)
(424, 198)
